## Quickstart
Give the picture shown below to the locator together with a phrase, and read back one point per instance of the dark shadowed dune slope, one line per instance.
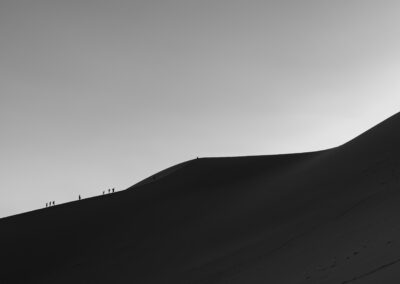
(323, 217)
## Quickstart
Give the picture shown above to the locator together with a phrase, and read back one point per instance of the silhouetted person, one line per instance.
(54, 202)
(79, 197)
(46, 204)
(109, 190)
(113, 190)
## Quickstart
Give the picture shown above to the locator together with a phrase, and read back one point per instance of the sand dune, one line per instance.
(323, 217)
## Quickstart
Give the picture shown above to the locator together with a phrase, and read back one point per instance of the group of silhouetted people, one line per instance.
(110, 190)
(52, 203)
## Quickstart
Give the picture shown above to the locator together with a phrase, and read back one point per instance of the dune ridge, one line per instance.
(330, 216)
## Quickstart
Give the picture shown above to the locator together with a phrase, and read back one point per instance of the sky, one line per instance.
(97, 94)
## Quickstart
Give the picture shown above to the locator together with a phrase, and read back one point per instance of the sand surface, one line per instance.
(323, 217)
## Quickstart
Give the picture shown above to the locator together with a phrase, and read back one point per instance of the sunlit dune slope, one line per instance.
(323, 217)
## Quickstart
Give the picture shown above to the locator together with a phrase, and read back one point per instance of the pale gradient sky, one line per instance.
(97, 94)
